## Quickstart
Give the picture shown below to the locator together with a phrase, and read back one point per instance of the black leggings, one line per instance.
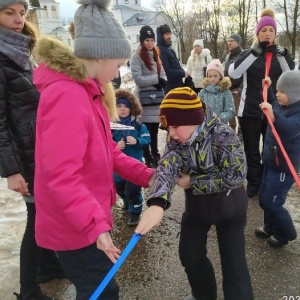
(31, 256)
(153, 130)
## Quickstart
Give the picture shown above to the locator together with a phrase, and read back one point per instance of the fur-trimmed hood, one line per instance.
(204, 53)
(59, 58)
(224, 83)
(136, 108)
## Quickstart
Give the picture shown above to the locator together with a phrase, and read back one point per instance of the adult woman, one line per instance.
(148, 74)
(251, 64)
(197, 62)
(75, 153)
(18, 107)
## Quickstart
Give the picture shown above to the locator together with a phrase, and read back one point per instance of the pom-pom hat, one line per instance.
(198, 43)
(215, 64)
(98, 34)
(181, 107)
(267, 19)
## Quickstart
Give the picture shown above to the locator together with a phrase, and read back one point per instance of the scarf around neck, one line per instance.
(15, 46)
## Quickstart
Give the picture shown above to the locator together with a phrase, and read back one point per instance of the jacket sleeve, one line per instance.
(228, 110)
(230, 166)
(8, 161)
(172, 73)
(286, 62)
(166, 176)
(143, 136)
(130, 168)
(241, 65)
(137, 74)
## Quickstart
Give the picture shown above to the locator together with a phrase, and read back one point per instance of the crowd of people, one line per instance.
(213, 112)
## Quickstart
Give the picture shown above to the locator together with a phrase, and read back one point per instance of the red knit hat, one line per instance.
(181, 107)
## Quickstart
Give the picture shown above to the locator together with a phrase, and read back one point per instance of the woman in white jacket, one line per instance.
(196, 65)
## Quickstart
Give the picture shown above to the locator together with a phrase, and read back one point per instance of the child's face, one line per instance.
(108, 69)
(213, 77)
(123, 110)
(182, 133)
(282, 98)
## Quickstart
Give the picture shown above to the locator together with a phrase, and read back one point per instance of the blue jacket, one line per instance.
(142, 135)
(287, 125)
(170, 62)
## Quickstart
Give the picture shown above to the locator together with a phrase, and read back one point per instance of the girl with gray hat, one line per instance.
(18, 107)
(75, 153)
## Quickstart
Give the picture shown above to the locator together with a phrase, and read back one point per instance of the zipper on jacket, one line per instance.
(276, 156)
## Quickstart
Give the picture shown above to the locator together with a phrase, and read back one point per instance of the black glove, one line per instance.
(189, 81)
(276, 49)
(163, 82)
(259, 47)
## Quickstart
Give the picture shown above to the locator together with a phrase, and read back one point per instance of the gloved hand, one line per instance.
(276, 49)
(259, 47)
(163, 82)
(189, 82)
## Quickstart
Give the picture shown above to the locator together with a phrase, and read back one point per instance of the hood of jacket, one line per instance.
(54, 57)
(204, 53)
(136, 107)
(223, 84)
(160, 39)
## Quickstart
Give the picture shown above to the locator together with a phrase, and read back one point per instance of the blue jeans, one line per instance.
(272, 195)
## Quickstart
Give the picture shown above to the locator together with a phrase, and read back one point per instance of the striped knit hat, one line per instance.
(181, 107)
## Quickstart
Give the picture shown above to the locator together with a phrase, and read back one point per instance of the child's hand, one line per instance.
(130, 140)
(151, 217)
(267, 106)
(105, 243)
(266, 80)
(121, 144)
(184, 181)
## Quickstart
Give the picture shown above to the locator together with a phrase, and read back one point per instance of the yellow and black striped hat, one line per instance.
(181, 107)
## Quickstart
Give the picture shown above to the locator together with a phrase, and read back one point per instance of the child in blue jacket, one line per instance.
(131, 142)
(277, 179)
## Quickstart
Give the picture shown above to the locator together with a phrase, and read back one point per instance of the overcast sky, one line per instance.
(68, 7)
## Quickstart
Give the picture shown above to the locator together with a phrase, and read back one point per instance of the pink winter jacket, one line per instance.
(75, 160)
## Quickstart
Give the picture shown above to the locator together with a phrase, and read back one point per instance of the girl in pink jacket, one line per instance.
(75, 153)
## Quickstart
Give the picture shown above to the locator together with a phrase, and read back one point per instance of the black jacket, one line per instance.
(253, 70)
(175, 73)
(18, 107)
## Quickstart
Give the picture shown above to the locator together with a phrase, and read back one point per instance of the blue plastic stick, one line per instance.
(133, 241)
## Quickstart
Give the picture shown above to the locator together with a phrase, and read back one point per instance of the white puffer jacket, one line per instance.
(196, 64)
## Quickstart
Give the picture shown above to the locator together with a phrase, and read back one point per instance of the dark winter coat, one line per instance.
(18, 107)
(230, 58)
(287, 125)
(253, 70)
(170, 62)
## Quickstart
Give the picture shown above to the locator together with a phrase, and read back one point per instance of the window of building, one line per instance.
(45, 11)
(136, 1)
(54, 12)
(126, 1)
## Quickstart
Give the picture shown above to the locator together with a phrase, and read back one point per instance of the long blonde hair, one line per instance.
(109, 101)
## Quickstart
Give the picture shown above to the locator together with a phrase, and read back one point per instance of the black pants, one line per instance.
(252, 129)
(31, 256)
(228, 214)
(153, 130)
(86, 268)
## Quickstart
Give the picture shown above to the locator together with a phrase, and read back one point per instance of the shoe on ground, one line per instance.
(261, 233)
(251, 191)
(189, 297)
(40, 296)
(134, 220)
(274, 243)
(50, 273)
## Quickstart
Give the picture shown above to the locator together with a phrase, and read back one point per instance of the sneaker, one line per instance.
(189, 297)
(50, 273)
(261, 233)
(134, 220)
(41, 296)
(274, 243)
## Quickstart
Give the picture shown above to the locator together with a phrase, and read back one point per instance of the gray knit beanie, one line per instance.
(98, 34)
(289, 83)
(6, 3)
(236, 37)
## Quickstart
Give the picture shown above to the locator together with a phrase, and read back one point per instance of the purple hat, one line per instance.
(267, 19)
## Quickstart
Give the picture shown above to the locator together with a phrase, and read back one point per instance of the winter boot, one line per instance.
(134, 220)
(40, 296)
(149, 161)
